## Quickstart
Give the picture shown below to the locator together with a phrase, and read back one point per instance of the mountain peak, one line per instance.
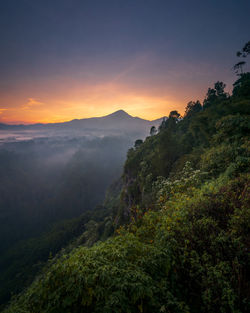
(120, 114)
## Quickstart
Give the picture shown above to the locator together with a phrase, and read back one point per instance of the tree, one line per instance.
(214, 94)
(172, 120)
(153, 131)
(238, 66)
(138, 142)
(242, 53)
(192, 108)
(170, 123)
(219, 88)
(174, 114)
(242, 86)
(163, 124)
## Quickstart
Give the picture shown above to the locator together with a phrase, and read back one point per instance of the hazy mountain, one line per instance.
(119, 121)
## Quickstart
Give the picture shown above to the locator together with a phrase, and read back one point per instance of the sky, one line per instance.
(66, 59)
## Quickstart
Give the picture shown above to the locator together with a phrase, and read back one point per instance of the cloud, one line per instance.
(2, 110)
(32, 102)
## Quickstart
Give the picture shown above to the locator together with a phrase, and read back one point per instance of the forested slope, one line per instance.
(182, 223)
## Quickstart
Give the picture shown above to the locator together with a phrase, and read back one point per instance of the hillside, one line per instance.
(180, 220)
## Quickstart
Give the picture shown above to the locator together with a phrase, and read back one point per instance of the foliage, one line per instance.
(153, 131)
(245, 51)
(181, 219)
(242, 86)
(24, 260)
(215, 94)
(189, 256)
(138, 142)
(192, 108)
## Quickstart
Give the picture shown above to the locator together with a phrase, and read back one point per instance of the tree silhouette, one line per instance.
(138, 142)
(244, 52)
(153, 131)
(192, 108)
(238, 66)
(174, 114)
(214, 94)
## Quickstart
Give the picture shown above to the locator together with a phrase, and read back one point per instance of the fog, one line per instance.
(54, 174)
(47, 176)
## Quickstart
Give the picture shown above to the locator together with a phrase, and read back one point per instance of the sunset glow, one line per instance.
(60, 99)
(78, 60)
(89, 102)
(124, 156)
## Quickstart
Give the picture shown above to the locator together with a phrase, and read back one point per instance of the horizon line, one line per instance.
(22, 123)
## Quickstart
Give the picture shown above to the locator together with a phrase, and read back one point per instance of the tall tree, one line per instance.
(153, 131)
(215, 94)
(192, 108)
(244, 52)
(239, 67)
(174, 114)
(138, 142)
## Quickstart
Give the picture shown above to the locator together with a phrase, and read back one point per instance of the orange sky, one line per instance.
(142, 86)
(64, 101)
(35, 110)
(85, 59)
(138, 88)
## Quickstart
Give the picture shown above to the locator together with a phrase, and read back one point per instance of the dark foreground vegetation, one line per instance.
(180, 221)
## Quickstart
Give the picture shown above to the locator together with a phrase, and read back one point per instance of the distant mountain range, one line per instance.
(118, 121)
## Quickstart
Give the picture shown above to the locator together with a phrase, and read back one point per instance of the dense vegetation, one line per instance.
(181, 223)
